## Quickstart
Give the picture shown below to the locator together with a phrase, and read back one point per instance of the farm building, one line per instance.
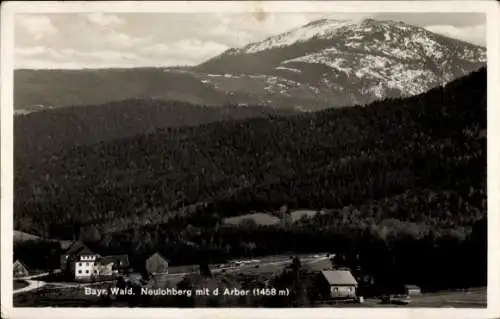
(19, 269)
(337, 284)
(119, 263)
(412, 290)
(157, 264)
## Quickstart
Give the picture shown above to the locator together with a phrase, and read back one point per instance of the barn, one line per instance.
(337, 284)
(157, 264)
(19, 269)
(412, 290)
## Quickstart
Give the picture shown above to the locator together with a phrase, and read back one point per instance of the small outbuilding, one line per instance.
(157, 264)
(120, 263)
(412, 290)
(20, 269)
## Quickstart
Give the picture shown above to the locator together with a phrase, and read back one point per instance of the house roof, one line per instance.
(339, 277)
(159, 255)
(78, 248)
(20, 263)
(28, 262)
(120, 261)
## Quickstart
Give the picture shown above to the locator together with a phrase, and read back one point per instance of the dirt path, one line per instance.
(32, 284)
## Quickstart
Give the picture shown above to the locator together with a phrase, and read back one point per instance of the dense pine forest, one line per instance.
(43, 134)
(402, 183)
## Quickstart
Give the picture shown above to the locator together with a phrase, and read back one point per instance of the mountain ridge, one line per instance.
(356, 64)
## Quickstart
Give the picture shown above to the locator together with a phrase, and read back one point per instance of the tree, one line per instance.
(205, 269)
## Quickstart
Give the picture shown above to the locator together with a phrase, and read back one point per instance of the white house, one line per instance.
(79, 261)
(85, 267)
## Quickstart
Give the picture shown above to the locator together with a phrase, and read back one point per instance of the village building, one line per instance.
(20, 269)
(71, 254)
(95, 266)
(119, 263)
(87, 267)
(412, 290)
(79, 262)
(156, 264)
(102, 270)
(337, 284)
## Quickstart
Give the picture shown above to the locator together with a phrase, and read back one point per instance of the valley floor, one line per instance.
(51, 294)
(72, 297)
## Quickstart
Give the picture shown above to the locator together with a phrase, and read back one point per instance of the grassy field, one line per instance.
(473, 298)
(258, 218)
(182, 269)
(476, 297)
(268, 219)
(305, 213)
(20, 236)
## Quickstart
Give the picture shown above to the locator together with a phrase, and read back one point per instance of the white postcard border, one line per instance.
(490, 8)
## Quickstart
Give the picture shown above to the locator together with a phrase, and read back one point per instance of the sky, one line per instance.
(103, 40)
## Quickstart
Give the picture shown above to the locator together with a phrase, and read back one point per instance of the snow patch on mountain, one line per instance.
(288, 69)
(347, 61)
(431, 48)
(321, 28)
(473, 55)
(329, 57)
(388, 73)
(409, 81)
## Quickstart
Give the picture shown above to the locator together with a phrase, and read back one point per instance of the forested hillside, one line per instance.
(403, 182)
(41, 134)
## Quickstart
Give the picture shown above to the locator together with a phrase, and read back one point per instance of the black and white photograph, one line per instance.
(248, 155)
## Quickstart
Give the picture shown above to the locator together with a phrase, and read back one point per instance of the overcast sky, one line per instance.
(96, 40)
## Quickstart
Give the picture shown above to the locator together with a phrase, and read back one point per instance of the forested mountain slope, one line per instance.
(402, 182)
(332, 159)
(60, 88)
(41, 134)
